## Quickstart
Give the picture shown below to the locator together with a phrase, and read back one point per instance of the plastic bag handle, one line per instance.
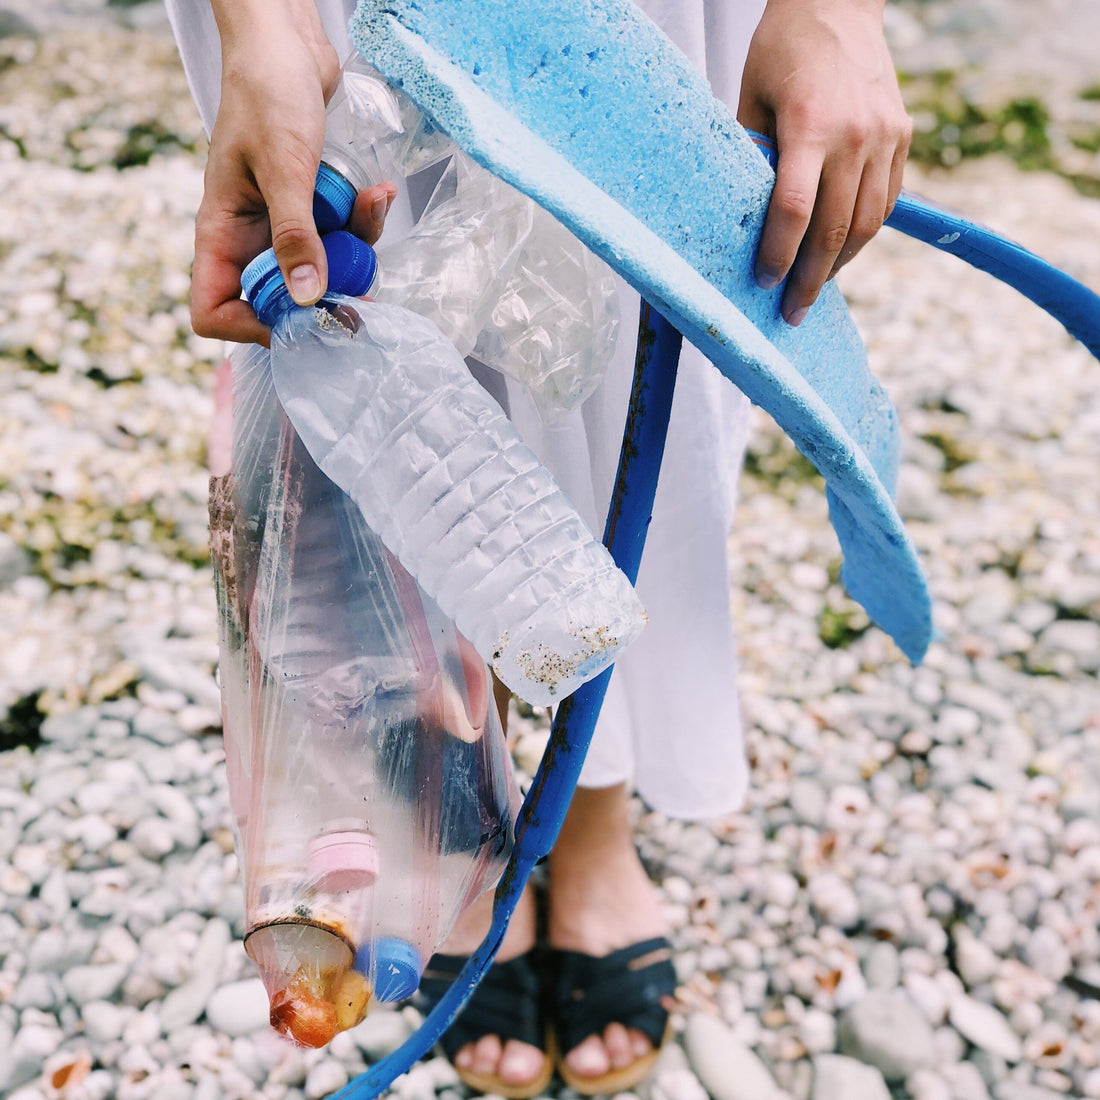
(544, 808)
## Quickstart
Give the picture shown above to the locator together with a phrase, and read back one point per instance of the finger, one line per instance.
(869, 212)
(368, 215)
(825, 237)
(234, 321)
(789, 211)
(217, 310)
(294, 236)
(897, 167)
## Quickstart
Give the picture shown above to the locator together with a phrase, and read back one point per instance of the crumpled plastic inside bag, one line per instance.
(502, 279)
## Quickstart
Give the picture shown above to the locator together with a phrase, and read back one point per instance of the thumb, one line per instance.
(296, 243)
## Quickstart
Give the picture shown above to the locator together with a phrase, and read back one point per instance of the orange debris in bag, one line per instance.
(313, 991)
(304, 1015)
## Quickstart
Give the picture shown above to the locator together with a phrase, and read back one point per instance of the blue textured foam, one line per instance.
(585, 106)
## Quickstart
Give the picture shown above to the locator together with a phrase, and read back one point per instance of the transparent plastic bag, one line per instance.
(369, 778)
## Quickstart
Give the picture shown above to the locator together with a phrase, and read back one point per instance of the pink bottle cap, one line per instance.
(343, 861)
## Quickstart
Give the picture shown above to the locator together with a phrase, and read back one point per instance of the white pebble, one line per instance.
(326, 1077)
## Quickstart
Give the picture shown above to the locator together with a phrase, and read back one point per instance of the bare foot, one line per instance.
(513, 1062)
(601, 900)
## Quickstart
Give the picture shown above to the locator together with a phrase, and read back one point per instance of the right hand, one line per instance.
(278, 72)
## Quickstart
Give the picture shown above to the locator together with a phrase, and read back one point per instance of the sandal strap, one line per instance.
(627, 986)
(508, 1002)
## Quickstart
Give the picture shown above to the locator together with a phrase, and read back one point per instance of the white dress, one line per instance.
(670, 724)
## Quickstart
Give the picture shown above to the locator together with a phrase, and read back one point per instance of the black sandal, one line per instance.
(508, 1003)
(632, 986)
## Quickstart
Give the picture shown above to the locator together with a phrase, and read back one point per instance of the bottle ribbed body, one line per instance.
(390, 413)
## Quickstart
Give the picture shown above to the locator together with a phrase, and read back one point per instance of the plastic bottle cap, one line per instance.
(394, 966)
(352, 264)
(352, 267)
(263, 285)
(333, 199)
(343, 861)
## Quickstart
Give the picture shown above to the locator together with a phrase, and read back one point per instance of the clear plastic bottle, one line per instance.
(390, 413)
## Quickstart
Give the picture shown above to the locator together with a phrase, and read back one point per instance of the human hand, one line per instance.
(819, 79)
(278, 71)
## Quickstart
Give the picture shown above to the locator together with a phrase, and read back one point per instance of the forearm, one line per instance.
(254, 30)
(240, 20)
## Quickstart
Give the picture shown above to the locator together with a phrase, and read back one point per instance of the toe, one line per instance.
(487, 1051)
(520, 1063)
(620, 1048)
(639, 1044)
(589, 1058)
(464, 1059)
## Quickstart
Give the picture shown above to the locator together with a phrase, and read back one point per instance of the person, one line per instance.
(819, 79)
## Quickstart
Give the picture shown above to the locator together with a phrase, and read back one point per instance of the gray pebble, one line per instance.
(886, 1030)
(837, 1077)
(186, 1002)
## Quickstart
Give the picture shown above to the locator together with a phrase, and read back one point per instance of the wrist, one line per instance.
(872, 8)
(244, 24)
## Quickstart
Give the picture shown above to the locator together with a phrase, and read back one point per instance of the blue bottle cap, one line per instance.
(352, 268)
(352, 264)
(263, 285)
(333, 198)
(393, 965)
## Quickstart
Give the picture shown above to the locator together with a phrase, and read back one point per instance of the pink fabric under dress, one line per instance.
(671, 724)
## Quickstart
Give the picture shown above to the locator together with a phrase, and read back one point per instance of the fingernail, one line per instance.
(305, 284)
(767, 280)
(379, 208)
(797, 316)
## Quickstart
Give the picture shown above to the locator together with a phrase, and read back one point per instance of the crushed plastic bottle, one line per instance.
(390, 413)
(554, 324)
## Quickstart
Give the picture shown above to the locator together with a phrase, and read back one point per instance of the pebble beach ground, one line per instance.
(909, 904)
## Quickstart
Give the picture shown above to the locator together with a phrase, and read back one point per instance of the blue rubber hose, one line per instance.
(544, 808)
(1050, 288)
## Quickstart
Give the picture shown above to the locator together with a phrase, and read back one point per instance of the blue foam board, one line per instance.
(588, 108)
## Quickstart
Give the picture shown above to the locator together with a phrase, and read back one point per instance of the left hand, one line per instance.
(820, 80)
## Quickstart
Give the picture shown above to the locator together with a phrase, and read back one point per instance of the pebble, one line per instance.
(965, 1081)
(94, 983)
(882, 967)
(727, 1069)
(104, 1021)
(186, 1002)
(985, 1027)
(381, 1033)
(886, 1030)
(325, 1078)
(837, 1077)
(240, 1008)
